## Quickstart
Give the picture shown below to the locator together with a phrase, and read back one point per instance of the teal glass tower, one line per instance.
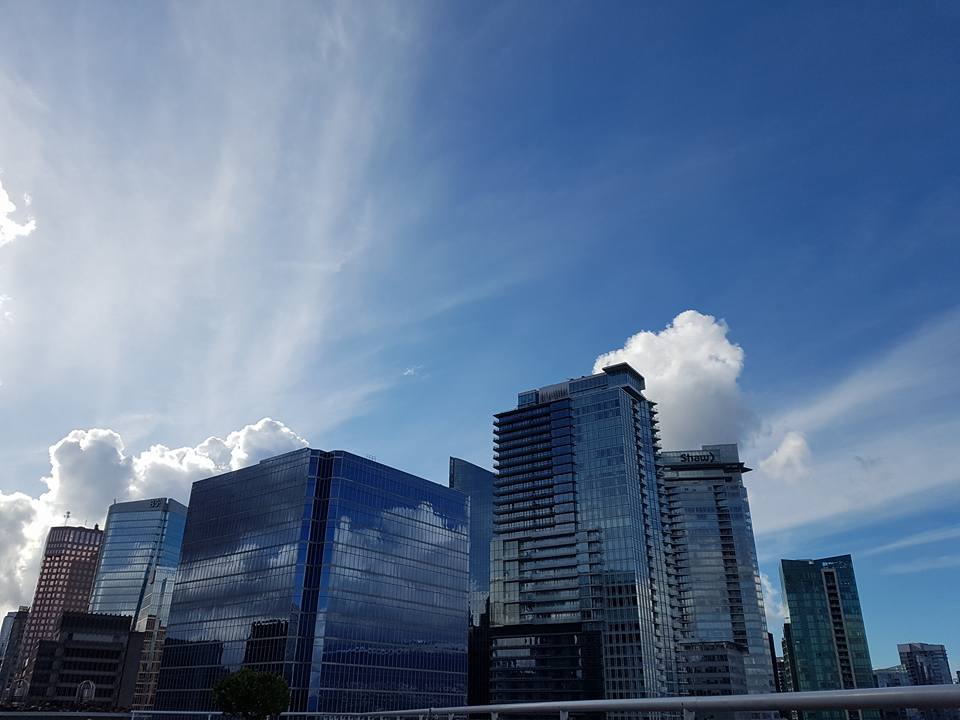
(581, 607)
(824, 634)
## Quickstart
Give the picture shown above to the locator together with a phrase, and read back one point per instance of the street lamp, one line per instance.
(86, 691)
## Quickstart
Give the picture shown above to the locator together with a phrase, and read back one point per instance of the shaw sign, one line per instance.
(697, 457)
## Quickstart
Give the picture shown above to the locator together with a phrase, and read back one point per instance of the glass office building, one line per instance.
(346, 576)
(138, 556)
(138, 565)
(477, 484)
(580, 602)
(723, 647)
(824, 634)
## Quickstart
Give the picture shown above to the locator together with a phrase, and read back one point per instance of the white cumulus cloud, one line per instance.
(790, 461)
(773, 604)
(10, 229)
(691, 369)
(91, 468)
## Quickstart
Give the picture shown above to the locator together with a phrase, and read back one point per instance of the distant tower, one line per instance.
(927, 664)
(14, 624)
(66, 579)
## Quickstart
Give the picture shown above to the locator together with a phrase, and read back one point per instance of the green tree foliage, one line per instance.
(252, 695)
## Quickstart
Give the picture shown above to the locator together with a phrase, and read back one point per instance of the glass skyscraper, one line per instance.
(580, 602)
(138, 564)
(723, 646)
(824, 633)
(477, 484)
(346, 576)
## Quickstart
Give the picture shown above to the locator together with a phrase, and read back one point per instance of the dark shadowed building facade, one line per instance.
(92, 660)
(11, 650)
(477, 484)
(347, 576)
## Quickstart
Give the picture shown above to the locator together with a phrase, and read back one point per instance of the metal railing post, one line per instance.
(494, 716)
(565, 715)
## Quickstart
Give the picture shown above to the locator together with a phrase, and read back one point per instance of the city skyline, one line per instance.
(374, 224)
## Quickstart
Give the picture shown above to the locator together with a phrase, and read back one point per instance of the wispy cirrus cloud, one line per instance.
(940, 562)
(853, 442)
(926, 537)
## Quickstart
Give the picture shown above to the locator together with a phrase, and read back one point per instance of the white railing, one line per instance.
(924, 696)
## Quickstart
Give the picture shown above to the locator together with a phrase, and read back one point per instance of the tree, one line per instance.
(252, 695)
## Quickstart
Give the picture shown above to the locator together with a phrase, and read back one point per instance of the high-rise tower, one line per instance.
(824, 633)
(66, 579)
(580, 602)
(723, 647)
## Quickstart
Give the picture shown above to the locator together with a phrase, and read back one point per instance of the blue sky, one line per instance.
(375, 223)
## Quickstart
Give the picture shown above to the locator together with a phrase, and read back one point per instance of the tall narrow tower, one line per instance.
(580, 602)
(723, 646)
(66, 578)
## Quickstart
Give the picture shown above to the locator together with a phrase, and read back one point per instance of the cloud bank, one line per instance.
(89, 469)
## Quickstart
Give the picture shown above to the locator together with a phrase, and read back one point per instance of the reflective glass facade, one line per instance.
(720, 614)
(580, 602)
(825, 637)
(138, 559)
(477, 484)
(138, 565)
(348, 577)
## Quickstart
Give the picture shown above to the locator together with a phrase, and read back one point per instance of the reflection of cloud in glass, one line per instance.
(347, 576)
